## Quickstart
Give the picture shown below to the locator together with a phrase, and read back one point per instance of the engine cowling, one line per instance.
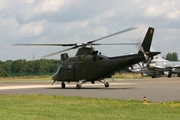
(151, 65)
(65, 56)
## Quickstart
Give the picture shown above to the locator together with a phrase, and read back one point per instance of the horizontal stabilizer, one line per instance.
(151, 54)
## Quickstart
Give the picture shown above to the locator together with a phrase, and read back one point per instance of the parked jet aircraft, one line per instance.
(157, 67)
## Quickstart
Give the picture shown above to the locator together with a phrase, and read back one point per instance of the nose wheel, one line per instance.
(78, 85)
(63, 85)
(106, 84)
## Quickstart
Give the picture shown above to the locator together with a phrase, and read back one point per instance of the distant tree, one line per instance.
(19, 67)
(53, 65)
(23, 67)
(30, 67)
(6, 66)
(3, 73)
(172, 56)
(37, 66)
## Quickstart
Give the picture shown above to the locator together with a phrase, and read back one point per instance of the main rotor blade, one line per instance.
(115, 43)
(129, 29)
(60, 51)
(44, 44)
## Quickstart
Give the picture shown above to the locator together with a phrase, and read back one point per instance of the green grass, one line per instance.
(126, 75)
(42, 107)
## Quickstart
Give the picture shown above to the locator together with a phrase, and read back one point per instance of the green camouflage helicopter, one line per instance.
(89, 65)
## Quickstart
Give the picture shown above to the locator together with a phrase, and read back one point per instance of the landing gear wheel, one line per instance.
(169, 76)
(178, 75)
(63, 85)
(106, 84)
(78, 86)
(153, 76)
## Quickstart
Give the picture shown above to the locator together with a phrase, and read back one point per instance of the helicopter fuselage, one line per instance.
(91, 67)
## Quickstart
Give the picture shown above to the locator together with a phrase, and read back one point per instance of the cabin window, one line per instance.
(68, 67)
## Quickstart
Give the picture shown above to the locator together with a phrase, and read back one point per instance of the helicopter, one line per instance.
(89, 65)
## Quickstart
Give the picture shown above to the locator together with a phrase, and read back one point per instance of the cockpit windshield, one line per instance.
(60, 69)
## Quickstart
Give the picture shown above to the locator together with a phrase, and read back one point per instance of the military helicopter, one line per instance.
(89, 65)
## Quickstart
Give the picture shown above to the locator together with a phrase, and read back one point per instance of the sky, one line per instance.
(80, 21)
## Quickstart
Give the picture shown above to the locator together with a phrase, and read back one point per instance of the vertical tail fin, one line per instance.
(146, 44)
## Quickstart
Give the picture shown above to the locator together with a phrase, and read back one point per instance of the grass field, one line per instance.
(41, 107)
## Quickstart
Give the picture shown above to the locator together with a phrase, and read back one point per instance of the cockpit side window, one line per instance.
(61, 67)
(68, 67)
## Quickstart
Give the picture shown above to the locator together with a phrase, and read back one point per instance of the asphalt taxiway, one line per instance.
(156, 90)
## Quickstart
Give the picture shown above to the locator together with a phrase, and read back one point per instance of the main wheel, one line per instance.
(106, 84)
(78, 86)
(153, 76)
(178, 75)
(63, 85)
(169, 76)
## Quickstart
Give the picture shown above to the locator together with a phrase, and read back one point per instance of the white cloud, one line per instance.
(166, 9)
(171, 35)
(109, 13)
(29, 1)
(4, 4)
(47, 6)
(53, 6)
(153, 11)
(76, 25)
(8, 23)
(29, 29)
(174, 14)
(100, 31)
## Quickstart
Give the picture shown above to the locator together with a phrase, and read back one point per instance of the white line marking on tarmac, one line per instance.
(49, 86)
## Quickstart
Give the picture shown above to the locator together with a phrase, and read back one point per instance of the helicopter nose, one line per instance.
(54, 77)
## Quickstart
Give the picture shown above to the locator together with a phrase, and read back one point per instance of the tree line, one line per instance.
(22, 67)
(172, 56)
